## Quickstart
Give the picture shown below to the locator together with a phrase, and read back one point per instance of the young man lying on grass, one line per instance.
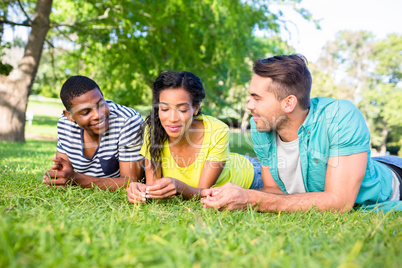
(313, 152)
(97, 144)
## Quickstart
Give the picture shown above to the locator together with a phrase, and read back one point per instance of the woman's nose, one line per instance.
(174, 115)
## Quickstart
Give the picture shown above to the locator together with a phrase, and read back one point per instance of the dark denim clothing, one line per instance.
(395, 164)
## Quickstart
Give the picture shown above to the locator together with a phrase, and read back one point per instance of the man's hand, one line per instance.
(60, 173)
(136, 193)
(162, 188)
(230, 196)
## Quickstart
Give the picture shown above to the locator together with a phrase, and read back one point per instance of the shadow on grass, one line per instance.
(26, 154)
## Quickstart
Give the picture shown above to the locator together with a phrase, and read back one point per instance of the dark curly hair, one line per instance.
(75, 86)
(168, 80)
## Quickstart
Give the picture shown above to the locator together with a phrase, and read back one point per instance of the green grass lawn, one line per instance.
(45, 106)
(43, 127)
(42, 227)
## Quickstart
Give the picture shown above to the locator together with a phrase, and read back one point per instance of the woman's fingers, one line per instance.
(159, 184)
(162, 188)
(161, 194)
(136, 193)
(162, 191)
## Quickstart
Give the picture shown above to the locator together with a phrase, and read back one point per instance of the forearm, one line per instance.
(282, 202)
(186, 191)
(271, 190)
(111, 184)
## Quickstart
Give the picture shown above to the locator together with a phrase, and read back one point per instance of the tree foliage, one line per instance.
(127, 43)
(372, 69)
(124, 44)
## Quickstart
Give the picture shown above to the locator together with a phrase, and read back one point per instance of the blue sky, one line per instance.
(380, 17)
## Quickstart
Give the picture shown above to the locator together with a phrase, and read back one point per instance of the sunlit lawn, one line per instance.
(73, 227)
(41, 227)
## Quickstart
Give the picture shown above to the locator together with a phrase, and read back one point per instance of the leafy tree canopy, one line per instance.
(123, 45)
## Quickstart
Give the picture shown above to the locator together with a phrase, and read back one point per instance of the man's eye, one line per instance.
(85, 113)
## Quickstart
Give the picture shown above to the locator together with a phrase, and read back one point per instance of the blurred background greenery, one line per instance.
(124, 44)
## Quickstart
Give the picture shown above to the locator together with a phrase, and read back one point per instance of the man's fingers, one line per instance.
(59, 181)
(216, 191)
(56, 166)
(59, 160)
(51, 173)
(213, 203)
(206, 192)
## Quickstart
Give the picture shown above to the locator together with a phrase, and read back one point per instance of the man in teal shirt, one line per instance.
(313, 152)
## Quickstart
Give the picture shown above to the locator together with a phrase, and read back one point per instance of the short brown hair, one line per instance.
(290, 75)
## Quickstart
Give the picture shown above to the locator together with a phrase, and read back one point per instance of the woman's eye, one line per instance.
(183, 111)
(164, 110)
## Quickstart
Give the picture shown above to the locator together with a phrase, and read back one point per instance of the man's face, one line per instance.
(264, 106)
(91, 112)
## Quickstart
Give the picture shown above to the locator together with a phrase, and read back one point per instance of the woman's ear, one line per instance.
(69, 115)
(197, 108)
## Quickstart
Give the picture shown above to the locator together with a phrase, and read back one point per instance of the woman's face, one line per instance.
(176, 111)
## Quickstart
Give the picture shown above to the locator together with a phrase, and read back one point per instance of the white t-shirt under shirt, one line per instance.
(290, 173)
(118, 143)
(289, 167)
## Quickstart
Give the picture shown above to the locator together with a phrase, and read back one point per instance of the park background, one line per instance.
(123, 45)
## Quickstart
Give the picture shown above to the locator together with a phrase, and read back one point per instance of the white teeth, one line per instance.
(101, 123)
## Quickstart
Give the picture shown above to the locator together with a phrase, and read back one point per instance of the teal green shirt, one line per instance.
(331, 128)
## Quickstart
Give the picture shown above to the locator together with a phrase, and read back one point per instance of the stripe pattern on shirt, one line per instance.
(118, 143)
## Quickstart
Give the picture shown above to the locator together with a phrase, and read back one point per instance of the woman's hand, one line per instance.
(136, 193)
(162, 188)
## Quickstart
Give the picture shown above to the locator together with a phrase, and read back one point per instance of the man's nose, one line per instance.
(98, 113)
(250, 105)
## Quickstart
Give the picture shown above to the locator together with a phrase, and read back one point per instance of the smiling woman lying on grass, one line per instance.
(186, 151)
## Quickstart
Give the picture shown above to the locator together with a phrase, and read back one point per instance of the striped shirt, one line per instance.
(118, 143)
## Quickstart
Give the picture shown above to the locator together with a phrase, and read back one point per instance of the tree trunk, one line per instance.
(16, 87)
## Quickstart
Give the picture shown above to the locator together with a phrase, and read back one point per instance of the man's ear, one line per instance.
(68, 115)
(289, 104)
